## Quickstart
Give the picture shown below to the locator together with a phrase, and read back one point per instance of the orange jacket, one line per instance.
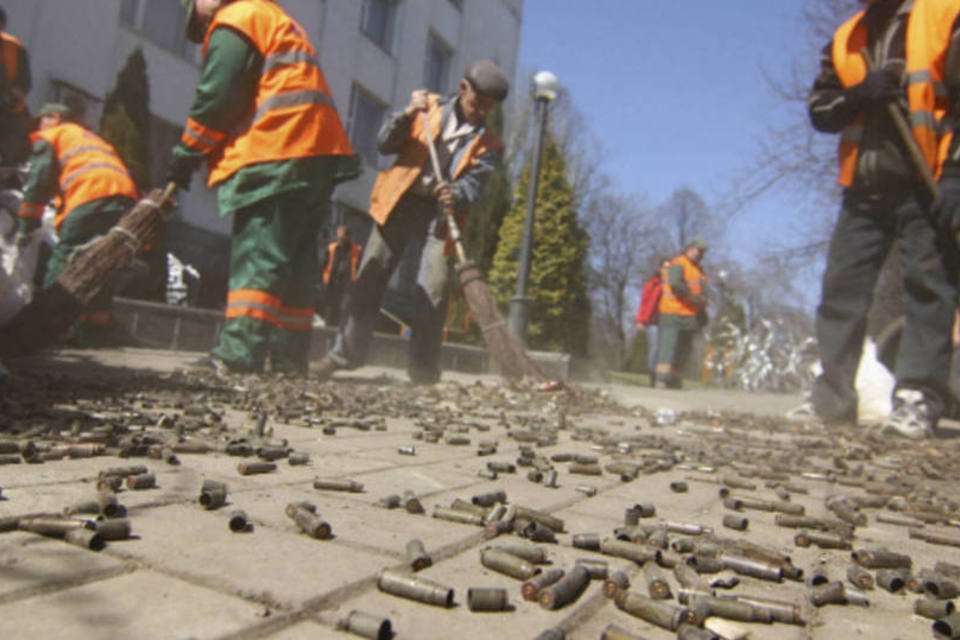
(392, 183)
(355, 251)
(293, 115)
(928, 37)
(11, 63)
(693, 276)
(90, 169)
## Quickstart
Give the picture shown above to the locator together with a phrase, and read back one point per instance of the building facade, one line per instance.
(373, 52)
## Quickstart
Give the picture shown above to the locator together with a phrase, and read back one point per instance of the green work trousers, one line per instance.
(676, 338)
(273, 250)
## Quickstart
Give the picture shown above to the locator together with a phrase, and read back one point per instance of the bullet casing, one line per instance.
(414, 587)
(627, 550)
(830, 593)
(142, 481)
(821, 539)
(327, 484)
(615, 582)
(487, 599)
(566, 590)
(597, 569)
(588, 541)
(312, 524)
(238, 521)
(657, 584)
(489, 498)
(508, 564)
(704, 607)
(859, 577)
(52, 525)
(937, 585)
(736, 522)
(881, 559)
(253, 468)
(453, 515)
(114, 529)
(298, 458)
(367, 625)
(213, 498)
(657, 612)
(933, 609)
(751, 567)
(818, 576)
(891, 580)
(85, 538)
(417, 556)
(531, 588)
(948, 627)
(529, 552)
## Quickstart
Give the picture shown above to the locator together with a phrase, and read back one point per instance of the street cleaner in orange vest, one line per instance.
(93, 187)
(15, 83)
(339, 274)
(406, 206)
(264, 121)
(913, 50)
(683, 308)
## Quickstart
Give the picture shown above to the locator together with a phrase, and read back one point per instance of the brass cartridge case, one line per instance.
(937, 585)
(935, 537)
(613, 632)
(131, 470)
(688, 578)
(679, 486)
(252, 468)
(657, 612)
(891, 580)
(487, 474)
(881, 559)
(213, 494)
(411, 503)
(417, 556)
(90, 507)
(627, 550)
(531, 588)
(367, 625)
(565, 590)
(114, 529)
(667, 559)
(272, 452)
(830, 593)
(312, 524)
(658, 538)
(751, 567)
(142, 481)
(597, 569)
(933, 609)
(780, 611)
(85, 538)
(615, 582)
(855, 597)
(818, 576)
(645, 509)
(704, 607)
(239, 449)
(414, 587)
(486, 449)
(10, 458)
(454, 515)
(467, 507)
(508, 564)
(847, 513)
(687, 528)
(705, 564)
(859, 577)
(821, 539)
(457, 441)
(547, 520)
(585, 469)
(690, 632)
(292, 507)
(532, 530)
(52, 525)
(390, 502)
(529, 552)
(657, 585)
(408, 450)
(737, 483)
(327, 484)
(588, 541)
(191, 447)
(110, 483)
(586, 490)
(948, 627)
(487, 599)
(535, 476)
(502, 467)
(550, 479)
(9, 446)
(947, 569)
(736, 522)
(238, 521)
(496, 513)
(298, 458)
(489, 498)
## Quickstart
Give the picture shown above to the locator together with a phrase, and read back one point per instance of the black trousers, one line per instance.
(868, 226)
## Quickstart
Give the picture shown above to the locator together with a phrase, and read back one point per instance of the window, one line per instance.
(436, 64)
(377, 20)
(163, 23)
(366, 114)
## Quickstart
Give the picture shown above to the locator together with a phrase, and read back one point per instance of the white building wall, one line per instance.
(83, 43)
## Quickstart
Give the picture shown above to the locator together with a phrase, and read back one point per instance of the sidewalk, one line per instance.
(185, 575)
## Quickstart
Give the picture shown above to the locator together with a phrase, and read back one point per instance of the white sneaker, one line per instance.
(910, 416)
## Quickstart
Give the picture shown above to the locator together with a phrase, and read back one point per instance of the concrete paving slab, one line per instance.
(143, 605)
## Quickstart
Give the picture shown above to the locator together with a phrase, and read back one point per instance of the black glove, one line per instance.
(180, 170)
(880, 85)
(946, 208)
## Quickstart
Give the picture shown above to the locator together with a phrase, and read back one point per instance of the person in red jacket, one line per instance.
(648, 316)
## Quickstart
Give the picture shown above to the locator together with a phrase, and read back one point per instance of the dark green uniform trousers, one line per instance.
(865, 231)
(273, 269)
(675, 341)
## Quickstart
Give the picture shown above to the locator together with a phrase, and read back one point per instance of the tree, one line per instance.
(125, 122)
(560, 308)
(685, 216)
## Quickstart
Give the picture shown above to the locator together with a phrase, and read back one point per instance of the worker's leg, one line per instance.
(429, 309)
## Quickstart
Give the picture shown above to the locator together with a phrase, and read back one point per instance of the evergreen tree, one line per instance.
(560, 307)
(125, 122)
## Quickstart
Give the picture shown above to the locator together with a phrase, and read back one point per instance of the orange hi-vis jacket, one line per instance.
(11, 63)
(90, 169)
(392, 183)
(671, 303)
(293, 115)
(928, 36)
(355, 252)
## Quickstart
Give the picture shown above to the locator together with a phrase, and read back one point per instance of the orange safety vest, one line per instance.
(670, 303)
(392, 183)
(11, 63)
(928, 37)
(355, 251)
(293, 114)
(90, 169)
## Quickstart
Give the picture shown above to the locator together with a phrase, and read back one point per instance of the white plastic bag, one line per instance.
(17, 268)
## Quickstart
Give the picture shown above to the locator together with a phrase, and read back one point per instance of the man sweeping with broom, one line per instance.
(406, 206)
(265, 122)
(94, 188)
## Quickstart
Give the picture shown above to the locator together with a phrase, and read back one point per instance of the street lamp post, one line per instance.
(545, 87)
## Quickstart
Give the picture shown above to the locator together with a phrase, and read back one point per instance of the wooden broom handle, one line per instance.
(447, 210)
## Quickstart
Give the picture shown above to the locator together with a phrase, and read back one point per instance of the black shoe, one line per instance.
(325, 368)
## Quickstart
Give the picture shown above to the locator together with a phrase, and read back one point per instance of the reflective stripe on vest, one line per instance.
(293, 115)
(392, 183)
(355, 252)
(90, 168)
(259, 305)
(201, 138)
(30, 210)
(928, 37)
(670, 303)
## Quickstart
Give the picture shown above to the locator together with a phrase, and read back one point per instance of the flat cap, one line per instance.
(52, 108)
(697, 243)
(488, 79)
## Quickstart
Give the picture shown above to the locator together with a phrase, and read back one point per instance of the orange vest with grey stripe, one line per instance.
(929, 28)
(392, 183)
(671, 303)
(11, 63)
(292, 116)
(355, 252)
(251, 303)
(90, 169)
